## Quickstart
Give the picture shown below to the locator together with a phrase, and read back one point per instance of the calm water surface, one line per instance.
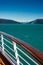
(32, 34)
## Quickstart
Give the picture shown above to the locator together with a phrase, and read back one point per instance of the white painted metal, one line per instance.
(16, 53)
(2, 43)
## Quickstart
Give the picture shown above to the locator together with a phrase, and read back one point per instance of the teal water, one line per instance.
(32, 34)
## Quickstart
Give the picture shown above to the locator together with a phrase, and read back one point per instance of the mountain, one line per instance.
(7, 21)
(37, 21)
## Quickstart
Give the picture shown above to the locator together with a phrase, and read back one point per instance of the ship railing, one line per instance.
(19, 52)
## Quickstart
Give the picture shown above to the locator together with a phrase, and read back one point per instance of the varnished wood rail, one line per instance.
(34, 52)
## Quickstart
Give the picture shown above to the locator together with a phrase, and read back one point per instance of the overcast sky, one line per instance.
(21, 10)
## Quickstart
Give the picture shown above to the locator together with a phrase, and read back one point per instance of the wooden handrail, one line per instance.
(34, 52)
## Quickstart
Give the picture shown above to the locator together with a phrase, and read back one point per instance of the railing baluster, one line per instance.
(2, 43)
(16, 53)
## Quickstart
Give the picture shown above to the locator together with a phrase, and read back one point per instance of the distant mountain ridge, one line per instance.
(37, 21)
(7, 21)
(4, 21)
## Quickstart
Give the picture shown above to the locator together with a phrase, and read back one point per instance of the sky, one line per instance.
(21, 10)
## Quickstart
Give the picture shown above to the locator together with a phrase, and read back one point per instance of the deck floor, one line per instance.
(1, 62)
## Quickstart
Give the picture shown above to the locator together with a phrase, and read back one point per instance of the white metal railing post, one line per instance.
(2, 43)
(16, 53)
